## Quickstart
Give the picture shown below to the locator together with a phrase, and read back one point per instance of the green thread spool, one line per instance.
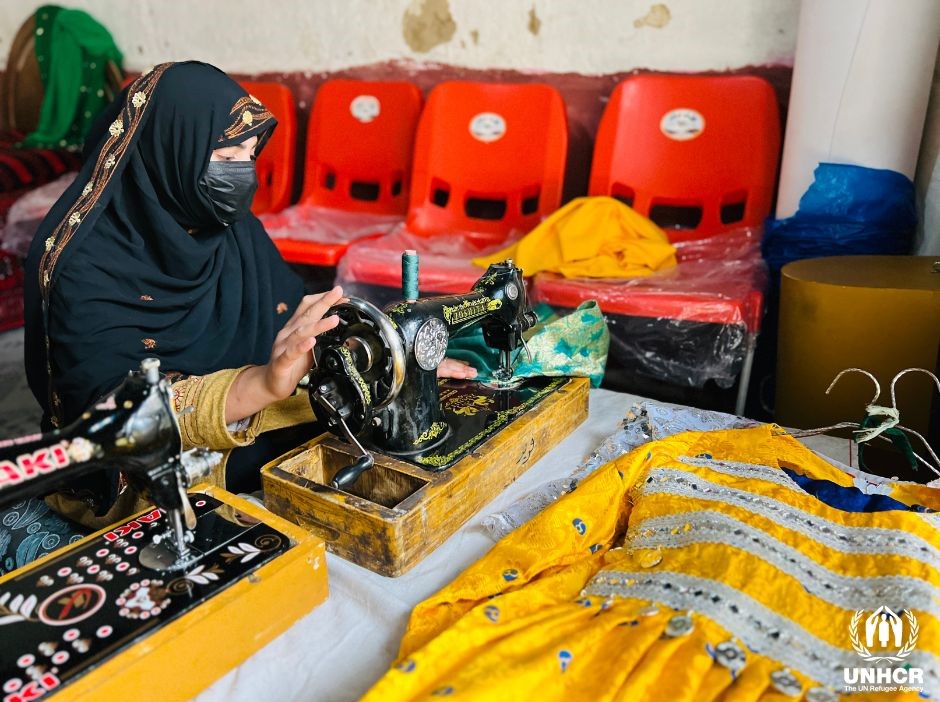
(409, 274)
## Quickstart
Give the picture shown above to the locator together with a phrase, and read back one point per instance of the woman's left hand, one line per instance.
(454, 368)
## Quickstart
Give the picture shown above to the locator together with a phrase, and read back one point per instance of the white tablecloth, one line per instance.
(340, 649)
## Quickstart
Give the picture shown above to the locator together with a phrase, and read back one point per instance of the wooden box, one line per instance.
(397, 513)
(212, 634)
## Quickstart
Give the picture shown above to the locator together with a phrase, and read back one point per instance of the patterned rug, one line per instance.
(19, 412)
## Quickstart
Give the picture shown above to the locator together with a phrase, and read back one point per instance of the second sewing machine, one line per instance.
(418, 456)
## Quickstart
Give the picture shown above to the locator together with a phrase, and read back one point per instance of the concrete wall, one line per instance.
(582, 36)
(583, 47)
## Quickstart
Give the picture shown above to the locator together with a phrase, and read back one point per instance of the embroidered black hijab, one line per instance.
(131, 262)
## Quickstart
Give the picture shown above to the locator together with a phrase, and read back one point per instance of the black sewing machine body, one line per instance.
(414, 420)
(377, 372)
(421, 455)
(133, 429)
(70, 618)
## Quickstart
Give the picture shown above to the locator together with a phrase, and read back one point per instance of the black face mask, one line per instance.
(231, 186)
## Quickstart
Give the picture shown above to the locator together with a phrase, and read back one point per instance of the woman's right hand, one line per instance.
(291, 357)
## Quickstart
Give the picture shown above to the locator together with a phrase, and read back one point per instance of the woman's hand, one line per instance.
(291, 357)
(454, 368)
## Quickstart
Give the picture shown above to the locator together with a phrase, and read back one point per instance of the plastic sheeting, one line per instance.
(861, 84)
(327, 226)
(682, 327)
(646, 421)
(847, 210)
(28, 211)
(372, 269)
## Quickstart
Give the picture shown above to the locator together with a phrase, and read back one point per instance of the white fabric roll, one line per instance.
(861, 82)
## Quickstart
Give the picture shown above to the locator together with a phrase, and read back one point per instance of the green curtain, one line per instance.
(573, 345)
(73, 51)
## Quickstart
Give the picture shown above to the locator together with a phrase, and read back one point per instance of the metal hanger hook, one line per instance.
(894, 381)
(865, 372)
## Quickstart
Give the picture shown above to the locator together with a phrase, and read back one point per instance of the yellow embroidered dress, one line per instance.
(693, 568)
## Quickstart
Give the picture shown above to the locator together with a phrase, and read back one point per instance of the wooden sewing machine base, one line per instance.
(397, 512)
(93, 622)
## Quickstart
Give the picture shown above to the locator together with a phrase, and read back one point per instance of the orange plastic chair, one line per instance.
(359, 145)
(360, 141)
(275, 165)
(489, 158)
(696, 154)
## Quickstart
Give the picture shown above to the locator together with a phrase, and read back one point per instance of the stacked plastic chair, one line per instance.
(275, 165)
(697, 155)
(357, 168)
(489, 164)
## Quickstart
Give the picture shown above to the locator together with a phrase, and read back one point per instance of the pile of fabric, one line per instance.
(732, 564)
(594, 237)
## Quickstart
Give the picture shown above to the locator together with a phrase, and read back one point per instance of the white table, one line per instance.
(340, 649)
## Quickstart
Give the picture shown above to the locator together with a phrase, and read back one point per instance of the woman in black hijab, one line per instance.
(153, 251)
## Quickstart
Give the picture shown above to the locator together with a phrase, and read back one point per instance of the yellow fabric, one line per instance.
(526, 622)
(199, 402)
(593, 237)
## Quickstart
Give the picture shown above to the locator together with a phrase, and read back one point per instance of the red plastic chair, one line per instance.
(360, 142)
(359, 146)
(696, 154)
(672, 334)
(275, 165)
(489, 161)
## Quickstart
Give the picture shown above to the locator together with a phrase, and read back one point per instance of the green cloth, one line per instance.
(573, 345)
(73, 51)
(898, 439)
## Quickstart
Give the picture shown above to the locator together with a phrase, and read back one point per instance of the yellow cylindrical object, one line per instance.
(878, 313)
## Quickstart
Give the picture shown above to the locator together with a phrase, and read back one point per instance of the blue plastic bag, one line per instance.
(847, 210)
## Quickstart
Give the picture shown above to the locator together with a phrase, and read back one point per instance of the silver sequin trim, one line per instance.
(846, 539)
(775, 475)
(759, 628)
(848, 592)
(749, 471)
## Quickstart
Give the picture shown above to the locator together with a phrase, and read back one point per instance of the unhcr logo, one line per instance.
(884, 637)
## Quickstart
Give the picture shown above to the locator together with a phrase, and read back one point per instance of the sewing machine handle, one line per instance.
(348, 475)
(351, 473)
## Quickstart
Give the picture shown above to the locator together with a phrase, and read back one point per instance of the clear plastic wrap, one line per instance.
(683, 326)
(372, 268)
(325, 225)
(646, 421)
(28, 211)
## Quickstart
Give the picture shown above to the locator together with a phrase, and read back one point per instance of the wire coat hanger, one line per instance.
(890, 422)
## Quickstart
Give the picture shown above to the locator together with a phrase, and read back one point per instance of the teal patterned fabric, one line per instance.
(573, 345)
(30, 530)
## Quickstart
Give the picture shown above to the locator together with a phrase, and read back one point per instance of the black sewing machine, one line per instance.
(408, 458)
(66, 617)
(375, 380)
(134, 430)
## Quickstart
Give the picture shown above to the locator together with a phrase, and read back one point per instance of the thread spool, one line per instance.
(409, 275)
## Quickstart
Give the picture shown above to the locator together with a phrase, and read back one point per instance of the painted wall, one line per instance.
(582, 47)
(584, 36)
